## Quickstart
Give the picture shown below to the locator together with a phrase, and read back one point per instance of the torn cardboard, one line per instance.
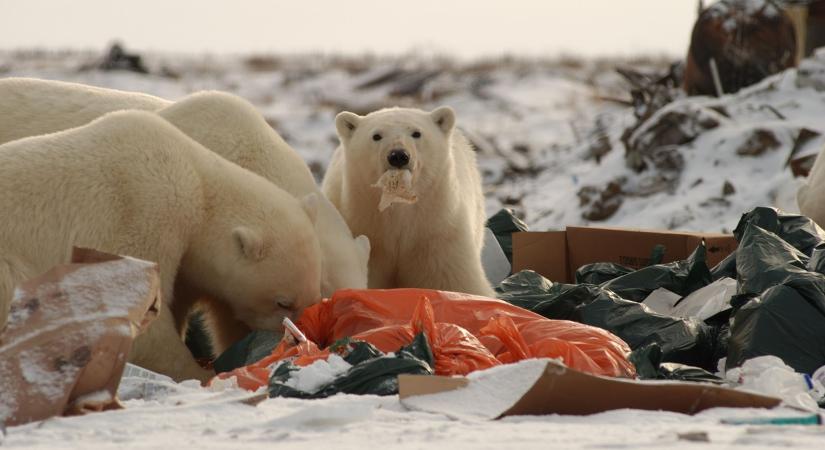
(557, 255)
(546, 386)
(69, 333)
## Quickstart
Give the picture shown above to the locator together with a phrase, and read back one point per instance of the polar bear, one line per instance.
(408, 180)
(223, 123)
(131, 183)
(811, 196)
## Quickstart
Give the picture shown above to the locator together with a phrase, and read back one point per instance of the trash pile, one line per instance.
(384, 333)
(684, 321)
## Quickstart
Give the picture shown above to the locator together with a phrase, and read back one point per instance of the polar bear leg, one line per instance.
(161, 349)
(12, 273)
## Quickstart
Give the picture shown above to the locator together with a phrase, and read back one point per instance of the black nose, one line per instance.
(398, 158)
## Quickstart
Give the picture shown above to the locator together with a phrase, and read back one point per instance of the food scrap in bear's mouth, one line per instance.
(396, 186)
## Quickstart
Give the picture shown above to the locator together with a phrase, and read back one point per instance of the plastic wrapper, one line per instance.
(396, 187)
(503, 224)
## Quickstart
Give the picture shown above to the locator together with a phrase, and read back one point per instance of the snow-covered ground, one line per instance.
(193, 418)
(533, 122)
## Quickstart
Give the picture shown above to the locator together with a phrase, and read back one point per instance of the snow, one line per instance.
(316, 375)
(533, 122)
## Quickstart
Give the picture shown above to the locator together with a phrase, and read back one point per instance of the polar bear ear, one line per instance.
(363, 244)
(346, 123)
(310, 205)
(249, 242)
(444, 117)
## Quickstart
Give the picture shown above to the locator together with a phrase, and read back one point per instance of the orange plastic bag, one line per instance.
(582, 347)
(455, 350)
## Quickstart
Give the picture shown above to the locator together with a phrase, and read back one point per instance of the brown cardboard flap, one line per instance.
(561, 390)
(558, 254)
(544, 252)
(69, 333)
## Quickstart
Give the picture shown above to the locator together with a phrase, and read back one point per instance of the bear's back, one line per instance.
(31, 107)
(94, 184)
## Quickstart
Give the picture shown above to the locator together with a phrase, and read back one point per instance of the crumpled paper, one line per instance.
(69, 334)
(396, 187)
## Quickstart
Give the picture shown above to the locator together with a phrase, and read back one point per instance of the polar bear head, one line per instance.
(398, 139)
(262, 260)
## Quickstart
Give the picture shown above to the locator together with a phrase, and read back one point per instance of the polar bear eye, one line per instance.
(376, 137)
(416, 134)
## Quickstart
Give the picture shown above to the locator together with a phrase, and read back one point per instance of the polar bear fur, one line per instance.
(223, 123)
(436, 241)
(811, 196)
(131, 183)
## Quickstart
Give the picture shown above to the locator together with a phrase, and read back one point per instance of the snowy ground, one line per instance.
(193, 418)
(533, 122)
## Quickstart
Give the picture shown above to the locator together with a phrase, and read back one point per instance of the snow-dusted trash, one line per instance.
(770, 376)
(69, 333)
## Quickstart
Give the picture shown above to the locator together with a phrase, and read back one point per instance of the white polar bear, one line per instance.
(811, 196)
(131, 183)
(432, 234)
(223, 123)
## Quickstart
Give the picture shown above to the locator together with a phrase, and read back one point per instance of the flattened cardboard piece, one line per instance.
(558, 254)
(545, 252)
(561, 390)
(69, 333)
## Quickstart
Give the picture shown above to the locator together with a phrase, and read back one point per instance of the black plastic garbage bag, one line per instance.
(680, 277)
(601, 272)
(254, 347)
(787, 321)
(503, 224)
(649, 366)
(781, 311)
(763, 260)
(725, 268)
(372, 372)
(799, 231)
(817, 261)
(687, 341)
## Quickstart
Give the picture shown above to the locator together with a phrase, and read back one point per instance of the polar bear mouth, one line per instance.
(396, 187)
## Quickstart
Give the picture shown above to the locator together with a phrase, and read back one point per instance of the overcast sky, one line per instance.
(466, 28)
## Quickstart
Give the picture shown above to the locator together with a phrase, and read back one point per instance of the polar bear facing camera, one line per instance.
(131, 183)
(224, 123)
(408, 180)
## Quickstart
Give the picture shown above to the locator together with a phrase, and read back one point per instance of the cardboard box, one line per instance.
(552, 388)
(558, 254)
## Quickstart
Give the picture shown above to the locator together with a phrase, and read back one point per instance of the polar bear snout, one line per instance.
(398, 158)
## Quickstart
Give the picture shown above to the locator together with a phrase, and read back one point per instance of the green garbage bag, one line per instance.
(503, 224)
(683, 340)
(372, 372)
